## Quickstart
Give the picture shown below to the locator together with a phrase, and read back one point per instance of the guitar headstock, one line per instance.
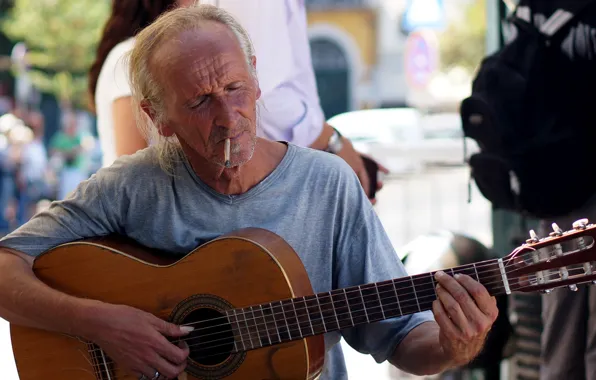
(564, 258)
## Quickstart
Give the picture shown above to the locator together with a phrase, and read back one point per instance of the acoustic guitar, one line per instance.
(250, 300)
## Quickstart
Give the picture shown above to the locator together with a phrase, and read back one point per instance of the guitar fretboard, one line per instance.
(286, 320)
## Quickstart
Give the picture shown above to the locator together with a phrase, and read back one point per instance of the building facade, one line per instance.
(356, 50)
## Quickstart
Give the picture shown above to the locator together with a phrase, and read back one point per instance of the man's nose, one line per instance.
(226, 114)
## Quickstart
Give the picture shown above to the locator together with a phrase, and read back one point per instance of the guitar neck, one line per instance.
(286, 320)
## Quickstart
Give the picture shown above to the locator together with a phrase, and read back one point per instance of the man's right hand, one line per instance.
(137, 341)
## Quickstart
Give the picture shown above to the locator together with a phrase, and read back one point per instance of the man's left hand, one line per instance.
(465, 313)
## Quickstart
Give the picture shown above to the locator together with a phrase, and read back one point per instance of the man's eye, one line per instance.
(198, 101)
(234, 86)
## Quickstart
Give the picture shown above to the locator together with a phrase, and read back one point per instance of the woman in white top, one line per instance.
(290, 110)
(108, 77)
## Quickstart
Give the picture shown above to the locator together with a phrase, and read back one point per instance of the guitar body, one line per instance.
(248, 267)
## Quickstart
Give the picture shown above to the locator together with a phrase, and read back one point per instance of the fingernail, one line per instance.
(186, 329)
(457, 276)
(439, 287)
(439, 274)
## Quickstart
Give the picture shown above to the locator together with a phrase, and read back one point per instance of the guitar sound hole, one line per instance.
(212, 340)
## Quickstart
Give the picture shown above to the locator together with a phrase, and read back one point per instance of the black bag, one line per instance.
(533, 114)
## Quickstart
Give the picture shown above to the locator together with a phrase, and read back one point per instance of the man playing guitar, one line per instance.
(206, 174)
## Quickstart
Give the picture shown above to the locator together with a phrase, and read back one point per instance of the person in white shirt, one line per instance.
(289, 109)
(109, 88)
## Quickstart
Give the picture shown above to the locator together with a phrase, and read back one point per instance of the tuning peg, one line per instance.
(546, 291)
(580, 224)
(573, 288)
(533, 237)
(557, 231)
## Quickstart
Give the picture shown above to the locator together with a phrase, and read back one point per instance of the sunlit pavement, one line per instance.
(407, 208)
(8, 370)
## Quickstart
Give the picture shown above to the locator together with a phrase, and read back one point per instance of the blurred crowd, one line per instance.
(33, 170)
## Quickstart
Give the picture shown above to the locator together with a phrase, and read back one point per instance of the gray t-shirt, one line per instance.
(313, 200)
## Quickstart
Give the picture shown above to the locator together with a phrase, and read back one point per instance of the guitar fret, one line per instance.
(380, 302)
(254, 330)
(296, 316)
(242, 334)
(280, 321)
(303, 316)
(373, 303)
(476, 271)
(270, 324)
(397, 297)
(285, 319)
(432, 280)
(415, 295)
(349, 307)
(333, 309)
(363, 304)
(275, 322)
(266, 326)
(238, 326)
(321, 311)
(309, 317)
(316, 315)
(105, 364)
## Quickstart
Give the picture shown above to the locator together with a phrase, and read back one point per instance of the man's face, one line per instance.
(210, 94)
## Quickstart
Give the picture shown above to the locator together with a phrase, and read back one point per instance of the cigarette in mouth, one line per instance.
(227, 153)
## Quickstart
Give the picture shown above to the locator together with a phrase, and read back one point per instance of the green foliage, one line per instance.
(61, 36)
(463, 44)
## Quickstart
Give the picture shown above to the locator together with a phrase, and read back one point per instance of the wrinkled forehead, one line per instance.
(203, 57)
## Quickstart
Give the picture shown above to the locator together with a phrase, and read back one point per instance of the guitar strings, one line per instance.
(349, 312)
(333, 302)
(398, 282)
(478, 270)
(403, 295)
(422, 298)
(231, 341)
(484, 264)
(508, 264)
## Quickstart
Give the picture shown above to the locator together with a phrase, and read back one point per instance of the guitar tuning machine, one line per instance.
(573, 288)
(557, 231)
(533, 237)
(580, 224)
(546, 291)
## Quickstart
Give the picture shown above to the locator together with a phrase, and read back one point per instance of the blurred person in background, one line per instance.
(109, 87)
(18, 136)
(290, 109)
(7, 174)
(31, 177)
(66, 150)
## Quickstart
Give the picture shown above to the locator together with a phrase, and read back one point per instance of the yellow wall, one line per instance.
(360, 24)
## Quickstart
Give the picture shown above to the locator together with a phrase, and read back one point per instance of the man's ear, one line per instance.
(253, 62)
(162, 128)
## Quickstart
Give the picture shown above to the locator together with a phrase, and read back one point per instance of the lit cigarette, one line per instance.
(227, 153)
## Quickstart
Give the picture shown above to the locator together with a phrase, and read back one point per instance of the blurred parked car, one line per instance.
(405, 140)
